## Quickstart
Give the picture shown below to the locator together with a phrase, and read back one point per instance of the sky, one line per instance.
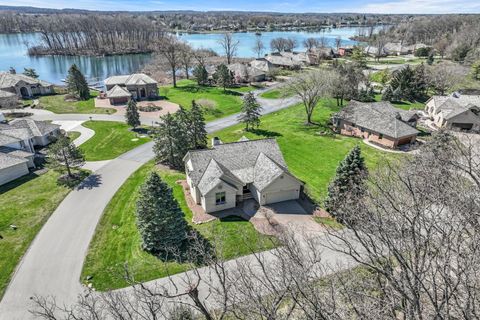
(360, 6)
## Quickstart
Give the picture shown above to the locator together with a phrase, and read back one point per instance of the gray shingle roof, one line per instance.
(118, 92)
(36, 128)
(9, 161)
(15, 152)
(132, 79)
(6, 139)
(8, 80)
(381, 117)
(254, 161)
(455, 104)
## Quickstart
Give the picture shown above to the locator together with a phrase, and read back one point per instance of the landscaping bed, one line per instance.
(117, 240)
(111, 139)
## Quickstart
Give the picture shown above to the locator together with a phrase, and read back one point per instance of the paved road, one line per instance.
(53, 263)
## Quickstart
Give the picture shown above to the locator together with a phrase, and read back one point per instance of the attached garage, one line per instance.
(462, 126)
(12, 168)
(118, 95)
(279, 196)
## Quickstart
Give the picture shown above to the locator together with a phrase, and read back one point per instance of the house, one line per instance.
(8, 99)
(263, 65)
(375, 51)
(139, 85)
(18, 140)
(378, 122)
(23, 86)
(221, 177)
(316, 55)
(2, 118)
(282, 60)
(345, 51)
(457, 111)
(244, 73)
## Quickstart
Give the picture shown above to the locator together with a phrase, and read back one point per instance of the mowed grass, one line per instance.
(405, 105)
(278, 93)
(117, 241)
(26, 203)
(57, 104)
(311, 157)
(222, 103)
(111, 139)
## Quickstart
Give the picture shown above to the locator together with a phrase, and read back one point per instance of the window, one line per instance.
(380, 137)
(220, 198)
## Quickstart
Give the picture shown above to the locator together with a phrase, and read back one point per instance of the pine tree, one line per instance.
(63, 153)
(420, 81)
(201, 74)
(159, 217)
(131, 115)
(403, 85)
(250, 114)
(223, 77)
(197, 129)
(349, 181)
(171, 140)
(30, 72)
(76, 83)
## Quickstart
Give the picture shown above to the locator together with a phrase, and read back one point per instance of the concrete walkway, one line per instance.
(53, 263)
(85, 133)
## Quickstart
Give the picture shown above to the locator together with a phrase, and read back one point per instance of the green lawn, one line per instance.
(73, 135)
(405, 105)
(57, 104)
(117, 240)
(278, 93)
(217, 103)
(312, 157)
(111, 139)
(27, 203)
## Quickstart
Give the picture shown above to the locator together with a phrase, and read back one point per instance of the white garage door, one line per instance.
(279, 196)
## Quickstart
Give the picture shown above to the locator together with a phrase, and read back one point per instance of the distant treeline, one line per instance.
(27, 19)
(455, 36)
(94, 35)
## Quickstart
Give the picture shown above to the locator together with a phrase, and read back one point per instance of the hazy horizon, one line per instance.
(282, 6)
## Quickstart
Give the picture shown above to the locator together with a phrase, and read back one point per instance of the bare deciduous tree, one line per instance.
(311, 43)
(311, 87)
(442, 77)
(171, 49)
(259, 47)
(229, 45)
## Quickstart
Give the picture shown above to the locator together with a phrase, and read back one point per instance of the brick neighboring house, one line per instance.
(139, 85)
(221, 177)
(378, 122)
(457, 111)
(18, 140)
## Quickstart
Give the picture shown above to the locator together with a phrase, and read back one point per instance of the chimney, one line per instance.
(216, 141)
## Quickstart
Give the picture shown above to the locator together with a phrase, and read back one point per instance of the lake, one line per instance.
(13, 53)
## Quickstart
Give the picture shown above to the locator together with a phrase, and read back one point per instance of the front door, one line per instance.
(24, 92)
(143, 93)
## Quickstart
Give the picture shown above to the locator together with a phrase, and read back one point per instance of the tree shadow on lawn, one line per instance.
(265, 133)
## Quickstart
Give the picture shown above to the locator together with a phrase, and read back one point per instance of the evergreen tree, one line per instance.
(420, 81)
(131, 115)
(430, 59)
(171, 140)
(349, 180)
(250, 114)
(76, 83)
(359, 57)
(30, 72)
(403, 85)
(476, 70)
(159, 217)
(197, 129)
(63, 153)
(201, 74)
(223, 77)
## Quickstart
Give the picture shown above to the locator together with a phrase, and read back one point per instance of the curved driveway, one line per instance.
(53, 263)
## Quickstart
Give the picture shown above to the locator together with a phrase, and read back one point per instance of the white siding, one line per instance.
(13, 172)
(209, 200)
(282, 189)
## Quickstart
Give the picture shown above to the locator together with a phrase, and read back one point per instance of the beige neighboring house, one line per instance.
(18, 140)
(222, 177)
(244, 73)
(284, 60)
(456, 112)
(399, 49)
(378, 122)
(138, 85)
(263, 65)
(23, 86)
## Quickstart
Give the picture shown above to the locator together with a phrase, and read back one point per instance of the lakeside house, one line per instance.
(14, 86)
(378, 122)
(244, 73)
(18, 140)
(138, 86)
(456, 112)
(229, 173)
(263, 65)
